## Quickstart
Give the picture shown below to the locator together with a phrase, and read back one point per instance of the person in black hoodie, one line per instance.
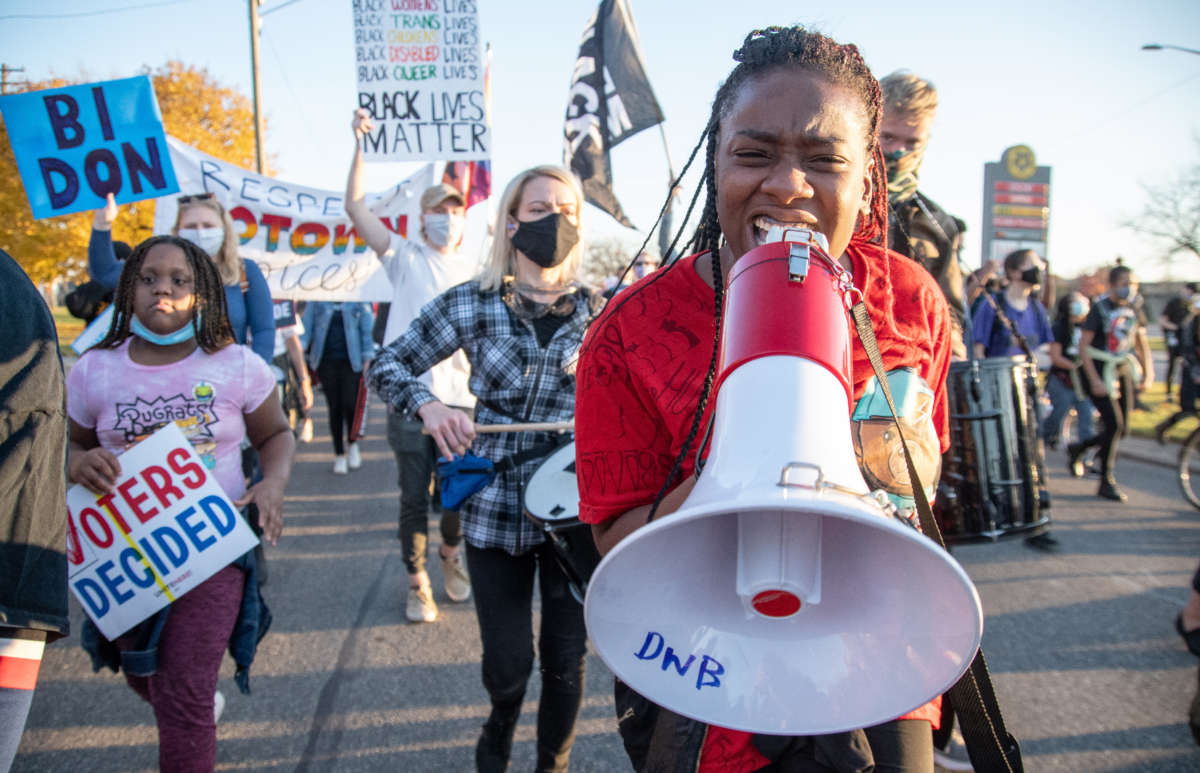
(33, 507)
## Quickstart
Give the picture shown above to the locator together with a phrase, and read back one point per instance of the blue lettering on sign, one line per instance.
(93, 597)
(113, 583)
(171, 544)
(707, 675)
(130, 560)
(194, 530)
(76, 144)
(220, 514)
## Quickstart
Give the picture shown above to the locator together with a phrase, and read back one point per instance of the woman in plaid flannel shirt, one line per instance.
(520, 323)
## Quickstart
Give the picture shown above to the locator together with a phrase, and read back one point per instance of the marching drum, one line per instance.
(551, 500)
(993, 476)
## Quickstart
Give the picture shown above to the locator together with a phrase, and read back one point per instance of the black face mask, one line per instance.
(1032, 276)
(547, 241)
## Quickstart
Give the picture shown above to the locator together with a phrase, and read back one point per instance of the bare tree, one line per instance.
(1171, 215)
(606, 258)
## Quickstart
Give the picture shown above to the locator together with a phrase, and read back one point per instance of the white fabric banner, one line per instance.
(300, 237)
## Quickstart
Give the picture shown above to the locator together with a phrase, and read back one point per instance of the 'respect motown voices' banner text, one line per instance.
(299, 236)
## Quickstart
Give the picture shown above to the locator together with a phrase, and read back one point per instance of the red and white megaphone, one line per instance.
(784, 597)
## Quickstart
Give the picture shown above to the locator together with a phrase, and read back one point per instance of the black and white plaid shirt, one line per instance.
(514, 380)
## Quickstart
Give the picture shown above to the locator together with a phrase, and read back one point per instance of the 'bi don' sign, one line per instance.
(76, 144)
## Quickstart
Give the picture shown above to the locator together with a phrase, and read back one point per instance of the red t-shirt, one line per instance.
(642, 370)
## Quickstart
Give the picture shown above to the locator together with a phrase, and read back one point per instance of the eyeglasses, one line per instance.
(189, 197)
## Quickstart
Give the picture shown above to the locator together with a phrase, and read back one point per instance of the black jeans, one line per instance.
(503, 586)
(340, 384)
(1113, 409)
(416, 457)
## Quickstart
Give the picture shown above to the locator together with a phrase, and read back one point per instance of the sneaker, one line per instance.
(352, 457)
(954, 756)
(494, 746)
(1075, 459)
(339, 465)
(458, 582)
(421, 608)
(1109, 490)
(218, 706)
(1160, 430)
(306, 431)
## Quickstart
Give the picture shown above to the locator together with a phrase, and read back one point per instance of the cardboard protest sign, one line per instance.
(166, 527)
(421, 77)
(300, 237)
(76, 144)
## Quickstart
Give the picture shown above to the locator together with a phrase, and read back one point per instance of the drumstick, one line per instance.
(546, 426)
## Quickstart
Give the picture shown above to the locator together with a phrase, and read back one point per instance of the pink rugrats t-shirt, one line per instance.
(205, 394)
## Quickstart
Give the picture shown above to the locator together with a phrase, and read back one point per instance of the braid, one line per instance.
(762, 51)
(213, 331)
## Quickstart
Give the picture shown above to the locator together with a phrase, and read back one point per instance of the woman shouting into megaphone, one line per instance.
(792, 141)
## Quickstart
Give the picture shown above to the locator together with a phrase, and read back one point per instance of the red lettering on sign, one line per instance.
(160, 484)
(135, 501)
(177, 460)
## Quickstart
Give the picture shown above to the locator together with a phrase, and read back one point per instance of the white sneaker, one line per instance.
(352, 457)
(421, 608)
(458, 582)
(218, 706)
(339, 465)
(306, 431)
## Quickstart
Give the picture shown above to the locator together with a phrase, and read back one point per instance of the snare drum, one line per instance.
(993, 476)
(551, 500)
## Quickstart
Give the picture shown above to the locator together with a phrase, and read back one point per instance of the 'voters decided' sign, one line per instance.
(166, 527)
(76, 144)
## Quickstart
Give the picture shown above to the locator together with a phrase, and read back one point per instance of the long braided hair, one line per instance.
(764, 51)
(210, 319)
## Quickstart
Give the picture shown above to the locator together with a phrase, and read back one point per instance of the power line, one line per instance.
(81, 14)
(279, 7)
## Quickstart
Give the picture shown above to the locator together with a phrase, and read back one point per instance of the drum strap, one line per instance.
(537, 451)
(1013, 333)
(991, 747)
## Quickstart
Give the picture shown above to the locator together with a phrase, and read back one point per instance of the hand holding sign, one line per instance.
(107, 215)
(362, 124)
(96, 469)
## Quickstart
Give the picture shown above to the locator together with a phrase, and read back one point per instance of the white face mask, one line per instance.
(208, 239)
(442, 230)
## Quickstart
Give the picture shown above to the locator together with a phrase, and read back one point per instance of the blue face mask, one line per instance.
(185, 333)
(1124, 293)
(1078, 308)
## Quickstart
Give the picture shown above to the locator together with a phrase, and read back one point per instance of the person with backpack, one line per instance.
(1003, 319)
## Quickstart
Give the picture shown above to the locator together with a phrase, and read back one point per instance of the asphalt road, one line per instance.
(1089, 670)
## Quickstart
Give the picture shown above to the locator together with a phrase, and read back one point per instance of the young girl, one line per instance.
(203, 221)
(170, 353)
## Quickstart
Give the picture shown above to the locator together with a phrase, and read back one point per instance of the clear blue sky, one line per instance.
(1066, 78)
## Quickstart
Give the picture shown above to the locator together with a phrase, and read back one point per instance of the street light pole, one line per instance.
(1161, 46)
(256, 85)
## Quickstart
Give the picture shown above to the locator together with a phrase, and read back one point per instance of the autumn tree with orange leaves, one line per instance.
(195, 109)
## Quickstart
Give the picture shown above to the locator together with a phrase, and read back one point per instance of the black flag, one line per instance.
(610, 99)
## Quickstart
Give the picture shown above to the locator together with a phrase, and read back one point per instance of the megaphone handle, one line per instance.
(701, 457)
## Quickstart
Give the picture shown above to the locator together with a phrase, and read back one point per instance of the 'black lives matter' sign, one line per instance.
(421, 77)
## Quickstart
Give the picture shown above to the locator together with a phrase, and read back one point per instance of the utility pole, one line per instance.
(4, 82)
(255, 25)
